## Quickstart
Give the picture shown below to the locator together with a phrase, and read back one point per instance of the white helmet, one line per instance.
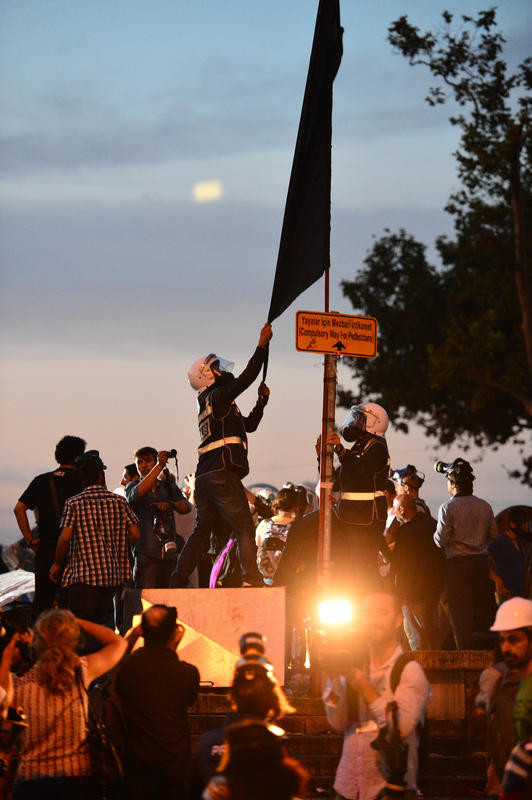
(368, 417)
(514, 613)
(203, 372)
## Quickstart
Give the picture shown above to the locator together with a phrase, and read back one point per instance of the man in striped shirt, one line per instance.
(97, 528)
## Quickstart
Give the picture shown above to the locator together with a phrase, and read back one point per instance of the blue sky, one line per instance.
(114, 280)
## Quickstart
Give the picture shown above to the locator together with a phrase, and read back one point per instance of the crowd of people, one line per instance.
(428, 584)
(376, 696)
(91, 543)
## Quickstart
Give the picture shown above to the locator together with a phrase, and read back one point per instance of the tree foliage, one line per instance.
(455, 342)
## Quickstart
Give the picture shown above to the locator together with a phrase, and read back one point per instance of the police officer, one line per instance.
(361, 479)
(223, 459)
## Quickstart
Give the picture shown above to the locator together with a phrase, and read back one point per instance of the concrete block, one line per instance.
(215, 619)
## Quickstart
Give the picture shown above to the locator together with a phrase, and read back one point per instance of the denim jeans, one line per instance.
(220, 494)
(152, 573)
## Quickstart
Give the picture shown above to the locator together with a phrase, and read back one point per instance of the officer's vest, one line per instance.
(362, 500)
(223, 442)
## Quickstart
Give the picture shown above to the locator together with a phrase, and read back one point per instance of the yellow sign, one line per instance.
(337, 334)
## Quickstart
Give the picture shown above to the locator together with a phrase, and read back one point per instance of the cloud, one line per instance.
(10, 475)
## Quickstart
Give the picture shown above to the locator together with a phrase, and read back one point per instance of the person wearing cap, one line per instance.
(97, 528)
(465, 526)
(513, 623)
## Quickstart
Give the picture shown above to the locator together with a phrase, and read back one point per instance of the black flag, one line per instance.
(305, 238)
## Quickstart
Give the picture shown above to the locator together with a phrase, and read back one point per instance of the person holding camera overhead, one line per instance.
(465, 526)
(154, 499)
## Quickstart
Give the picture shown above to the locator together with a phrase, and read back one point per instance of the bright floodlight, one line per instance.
(335, 612)
(207, 191)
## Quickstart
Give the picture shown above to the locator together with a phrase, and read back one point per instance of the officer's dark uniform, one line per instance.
(360, 516)
(222, 463)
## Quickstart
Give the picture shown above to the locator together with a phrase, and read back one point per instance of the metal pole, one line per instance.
(326, 460)
(326, 472)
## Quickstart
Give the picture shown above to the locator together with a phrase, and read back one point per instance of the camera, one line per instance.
(7, 631)
(253, 661)
(251, 643)
(339, 650)
(459, 468)
(172, 453)
(164, 533)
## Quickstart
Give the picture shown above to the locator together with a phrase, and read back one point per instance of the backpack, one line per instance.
(106, 735)
(421, 728)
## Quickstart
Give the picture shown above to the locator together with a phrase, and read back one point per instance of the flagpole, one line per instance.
(326, 463)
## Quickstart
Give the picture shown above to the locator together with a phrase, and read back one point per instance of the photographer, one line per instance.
(255, 695)
(465, 526)
(46, 495)
(55, 760)
(154, 499)
(155, 688)
(356, 702)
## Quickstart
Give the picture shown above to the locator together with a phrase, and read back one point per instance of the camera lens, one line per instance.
(170, 549)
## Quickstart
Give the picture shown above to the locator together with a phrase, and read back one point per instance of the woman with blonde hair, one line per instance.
(55, 759)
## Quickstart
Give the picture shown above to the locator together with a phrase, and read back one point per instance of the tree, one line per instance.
(456, 342)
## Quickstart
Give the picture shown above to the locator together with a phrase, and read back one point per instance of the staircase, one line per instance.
(454, 764)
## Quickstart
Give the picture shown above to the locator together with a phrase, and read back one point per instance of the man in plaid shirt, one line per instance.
(97, 528)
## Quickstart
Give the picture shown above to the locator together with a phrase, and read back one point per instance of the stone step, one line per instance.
(451, 746)
(435, 765)
(217, 702)
(323, 766)
(451, 786)
(435, 773)
(328, 744)
(453, 769)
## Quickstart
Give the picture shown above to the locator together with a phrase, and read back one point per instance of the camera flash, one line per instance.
(335, 612)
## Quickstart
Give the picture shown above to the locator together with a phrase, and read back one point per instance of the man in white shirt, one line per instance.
(357, 776)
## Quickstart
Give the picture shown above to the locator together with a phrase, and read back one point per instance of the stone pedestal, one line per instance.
(215, 619)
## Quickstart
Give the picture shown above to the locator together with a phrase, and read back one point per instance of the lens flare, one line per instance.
(335, 612)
